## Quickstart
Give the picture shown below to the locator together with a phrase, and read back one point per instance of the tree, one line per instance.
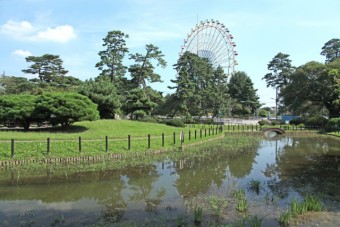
(45, 66)
(242, 91)
(331, 50)
(281, 69)
(18, 108)
(143, 69)
(111, 59)
(67, 108)
(103, 93)
(15, 85)
(138, 103)
(313, 87)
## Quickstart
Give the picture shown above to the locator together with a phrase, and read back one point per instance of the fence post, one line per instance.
(209, 131)
(129, 142)
(174, 138)
(79, 144)
(200, 133)
(195, 133)
(106, 144)
(162, 139)
(149, 145)
(205, 132)
(189, 135)
(48, 146)
(12, 148)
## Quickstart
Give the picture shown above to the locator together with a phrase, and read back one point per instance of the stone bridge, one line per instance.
(277, 130)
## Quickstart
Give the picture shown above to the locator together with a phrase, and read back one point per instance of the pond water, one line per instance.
(165, 193)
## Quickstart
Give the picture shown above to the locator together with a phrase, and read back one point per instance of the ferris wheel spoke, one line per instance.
(211, 40)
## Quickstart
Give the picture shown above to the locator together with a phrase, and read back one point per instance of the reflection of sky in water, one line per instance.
(169, 182)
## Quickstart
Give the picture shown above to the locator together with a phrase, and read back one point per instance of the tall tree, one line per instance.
(331, 50)
(281, 68)
(111, 59)
(46, 66)
(242, 91)
(143, 69)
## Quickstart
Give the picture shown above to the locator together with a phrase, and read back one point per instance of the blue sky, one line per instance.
(74, 29)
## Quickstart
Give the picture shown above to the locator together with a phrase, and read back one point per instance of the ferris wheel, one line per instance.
(211, 39)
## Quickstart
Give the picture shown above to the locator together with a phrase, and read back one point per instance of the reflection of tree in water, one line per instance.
(197, 174)
(309, 165)
(141, 180)
(241, 163)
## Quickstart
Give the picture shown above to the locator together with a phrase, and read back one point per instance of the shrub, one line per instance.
(175, 123)
(315, 121)
(149, 119)
(263, 122)
(333, 125)
(296, 121)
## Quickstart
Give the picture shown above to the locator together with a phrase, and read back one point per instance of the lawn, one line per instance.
(65, 142)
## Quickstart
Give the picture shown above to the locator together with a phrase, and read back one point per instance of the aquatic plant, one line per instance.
(297, 207)
(181, 221)
(255, 186)
(198, 215)
(312, 203)
(285, 218)
(255, 221)
(217, 204)
(242, 205)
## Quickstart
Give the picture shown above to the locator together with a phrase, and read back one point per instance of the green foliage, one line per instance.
(67, 108)
(45, 66)
(285, 218)
(315, 121)
(18, 108)
(255, 221)
(242, 205)
(217, 204)
(263, 122)
(143, 69)
(138, 103)
(103, 93)
(254, 185)
(175, 123)
(198, 214)
(333, 125)
(331, 50)
(243, 93)
(296, 121)
(111, 59)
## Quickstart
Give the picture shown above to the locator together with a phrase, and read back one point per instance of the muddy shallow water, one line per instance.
(166, 192)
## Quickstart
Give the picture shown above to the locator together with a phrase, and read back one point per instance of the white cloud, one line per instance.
(22, 53)
(61, 34)
(17, 29)
(24, 30)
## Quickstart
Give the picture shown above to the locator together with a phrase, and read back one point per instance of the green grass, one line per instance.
(64, 142)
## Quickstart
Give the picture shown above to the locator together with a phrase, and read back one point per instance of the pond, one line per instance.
(166, 192)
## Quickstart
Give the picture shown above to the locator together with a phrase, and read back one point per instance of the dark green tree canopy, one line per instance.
(331, 50)
(143, 69)
(103, 93)
(18, 108)
(67, 108)
(313, 87)
(243, 93)
(111, 59)
(280, 67)
(45, 66)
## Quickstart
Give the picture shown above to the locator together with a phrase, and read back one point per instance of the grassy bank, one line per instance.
(98, 138)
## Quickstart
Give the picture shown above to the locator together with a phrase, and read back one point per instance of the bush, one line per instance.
(315, 121)
(263, 122)
(175, 123)
(333, 125)
(275, 122)
(149, 119)
(296, 121)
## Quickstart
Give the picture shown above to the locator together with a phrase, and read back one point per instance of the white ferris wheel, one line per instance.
(212, 40)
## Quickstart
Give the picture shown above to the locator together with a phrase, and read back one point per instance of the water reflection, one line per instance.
(287, 167)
